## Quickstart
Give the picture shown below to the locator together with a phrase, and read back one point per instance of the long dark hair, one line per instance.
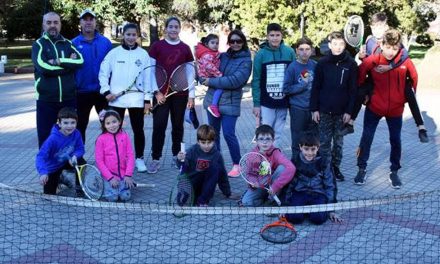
(108, 113)
(242, 37)
(127, 27)
(205, 40)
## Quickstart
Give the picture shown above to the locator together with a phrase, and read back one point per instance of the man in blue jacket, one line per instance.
(93, 47)
(55, 60)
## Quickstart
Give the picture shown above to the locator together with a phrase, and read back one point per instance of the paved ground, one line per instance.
(420, 162)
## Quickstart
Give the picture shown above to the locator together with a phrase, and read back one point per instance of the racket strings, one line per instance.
(182, 77)
(92, 182)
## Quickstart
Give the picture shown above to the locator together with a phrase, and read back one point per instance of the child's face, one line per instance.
(112, 124)
(206, 145)
(213, 44)
(303, 52)
(130, 36)
(337, 46)
(274, 38)
(309, 152)
(172, 30)
(67, 125)
(264, 142)
(378, 30)
(389, 51)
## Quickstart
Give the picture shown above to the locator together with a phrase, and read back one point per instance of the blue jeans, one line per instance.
(256, 197)
(204, 183)
(112, 194)
(307, 198)
(276, 118)
(371, 120)
(228, 123)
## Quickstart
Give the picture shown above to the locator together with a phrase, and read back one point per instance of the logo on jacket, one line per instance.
(138, 62)
(202, 164)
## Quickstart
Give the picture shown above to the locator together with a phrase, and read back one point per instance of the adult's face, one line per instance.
(88, 24)
(52, 24)
(236, 43)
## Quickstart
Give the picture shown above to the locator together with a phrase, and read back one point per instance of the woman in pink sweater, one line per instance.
(114, 157)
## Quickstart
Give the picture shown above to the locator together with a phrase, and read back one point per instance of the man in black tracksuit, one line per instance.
(55, 60)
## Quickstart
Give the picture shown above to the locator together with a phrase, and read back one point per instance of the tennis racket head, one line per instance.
(91, 181)
(255, 169)
(279, 232)
(182, 193)
(157, 75)
(183, 77)
(354, 31)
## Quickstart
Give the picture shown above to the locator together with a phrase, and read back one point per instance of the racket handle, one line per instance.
(154, 108)
(277, 200)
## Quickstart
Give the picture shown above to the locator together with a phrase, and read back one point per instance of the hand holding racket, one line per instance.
(90, 180)
(257, 172)
(354, 31)
(181, 79)
(155, 74)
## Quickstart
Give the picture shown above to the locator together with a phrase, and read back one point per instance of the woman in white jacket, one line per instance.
(121, 67)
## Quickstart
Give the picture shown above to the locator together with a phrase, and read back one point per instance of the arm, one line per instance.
(42, 157)
(74, 60)
(286, 175)
(235, 80)
(207, 62)
(316, 88)
(41, 62)
(290, 84)
(328, 185)
(352, 88)
(79, 145)
(100, 161)
(412, 74)
(129, 156)
(256, 79)
(104, 74)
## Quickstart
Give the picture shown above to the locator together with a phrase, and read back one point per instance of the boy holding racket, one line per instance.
(61, 150)
(313, 182)
(378, 25)
(282, 167)
(332, 99)
(204, 165)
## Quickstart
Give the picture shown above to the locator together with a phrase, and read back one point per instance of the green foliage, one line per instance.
(425, 40)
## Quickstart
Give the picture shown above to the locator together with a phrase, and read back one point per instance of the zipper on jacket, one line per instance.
(60, 86)
(342, 76)
(117, 155)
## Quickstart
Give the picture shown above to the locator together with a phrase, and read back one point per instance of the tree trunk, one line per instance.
(154, 32)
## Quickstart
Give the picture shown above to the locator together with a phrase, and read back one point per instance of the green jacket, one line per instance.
(265, 56)
(55, 83)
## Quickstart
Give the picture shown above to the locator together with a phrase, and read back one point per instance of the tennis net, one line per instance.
(37, 228)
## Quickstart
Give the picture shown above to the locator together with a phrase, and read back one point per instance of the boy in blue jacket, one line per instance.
(297, 87)
(332, 99)
(61, 150)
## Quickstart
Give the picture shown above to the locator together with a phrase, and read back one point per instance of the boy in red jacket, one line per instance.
(387, 100)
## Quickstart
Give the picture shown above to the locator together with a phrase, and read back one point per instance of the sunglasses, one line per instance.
(235, 41)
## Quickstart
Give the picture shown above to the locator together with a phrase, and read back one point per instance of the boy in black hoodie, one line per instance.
(332, 99)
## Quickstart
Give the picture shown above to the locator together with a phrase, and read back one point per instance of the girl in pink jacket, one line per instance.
(114, 157)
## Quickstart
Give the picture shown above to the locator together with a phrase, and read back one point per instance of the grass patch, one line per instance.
(417, 53)
(12, 63)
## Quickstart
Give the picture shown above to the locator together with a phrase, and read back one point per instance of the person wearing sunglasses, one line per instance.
(236, 66)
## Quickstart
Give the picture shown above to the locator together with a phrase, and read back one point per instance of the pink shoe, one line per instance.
(213, 109)
(235, 171)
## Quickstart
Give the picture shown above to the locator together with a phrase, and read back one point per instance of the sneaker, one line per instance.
(395, 180)
(235, 171)
(140, 165)
(361, 177)
(348, 129)
(338, 174)
(174, 162)
(213, 109)
(423, 136)
(153, 167)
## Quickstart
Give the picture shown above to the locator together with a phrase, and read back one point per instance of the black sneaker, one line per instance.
(361, 177)
(348, 129)
(395, 180)
(423, 136)
(338, 174)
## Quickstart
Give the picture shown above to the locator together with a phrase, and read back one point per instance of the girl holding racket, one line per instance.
(170, 53)
(121, 67)
(114, 157)
(282, 167)
(236, 66)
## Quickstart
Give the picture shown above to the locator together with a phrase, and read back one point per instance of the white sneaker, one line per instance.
(140, 165)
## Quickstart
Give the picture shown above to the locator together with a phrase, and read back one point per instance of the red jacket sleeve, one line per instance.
(366, 65)
(286, 175)
(412, 74)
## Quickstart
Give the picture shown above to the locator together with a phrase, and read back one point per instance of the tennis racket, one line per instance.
(90, 180)
(256, 171)
(279, 232)
(144, 185)
(354, 31)
(155, 73)
(181, 79)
